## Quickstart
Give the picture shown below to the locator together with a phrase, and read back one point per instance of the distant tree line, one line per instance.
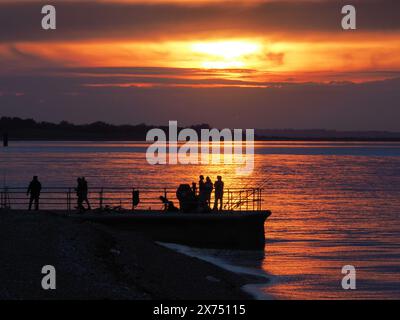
(29, 129)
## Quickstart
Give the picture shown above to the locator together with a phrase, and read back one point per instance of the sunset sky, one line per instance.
(245, 64)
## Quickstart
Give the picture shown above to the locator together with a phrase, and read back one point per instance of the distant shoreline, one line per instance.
(16, 129)
(256, 140)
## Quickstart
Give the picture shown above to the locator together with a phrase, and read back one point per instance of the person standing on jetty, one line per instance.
(34, 189)
(194, 188)
(79, 194)
(201, 185)
(82, 191)
(219, 193)
(85, 191)
(202, 195)
(208, 188)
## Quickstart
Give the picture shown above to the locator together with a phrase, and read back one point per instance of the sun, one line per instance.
(226, 49)
(225, 54)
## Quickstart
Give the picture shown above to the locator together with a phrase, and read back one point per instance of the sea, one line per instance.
(334, 204)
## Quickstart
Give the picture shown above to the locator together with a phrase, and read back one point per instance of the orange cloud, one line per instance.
(267, 41)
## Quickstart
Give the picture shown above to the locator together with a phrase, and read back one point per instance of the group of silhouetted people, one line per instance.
(198, 200)
(206, 188)
(82, 192)
(190, 199)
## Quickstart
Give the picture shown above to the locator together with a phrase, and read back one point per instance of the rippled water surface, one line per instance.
(333, 204)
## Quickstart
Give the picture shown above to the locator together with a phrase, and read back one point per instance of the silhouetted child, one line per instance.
(169, 205)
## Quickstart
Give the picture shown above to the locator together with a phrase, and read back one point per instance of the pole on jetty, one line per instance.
(133, 199)
(5, 139)
(101, 198)
(165, 196)
(5, 191)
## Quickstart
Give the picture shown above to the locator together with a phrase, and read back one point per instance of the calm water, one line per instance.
(333, 204)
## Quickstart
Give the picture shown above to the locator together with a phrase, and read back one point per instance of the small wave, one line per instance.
(254, 290)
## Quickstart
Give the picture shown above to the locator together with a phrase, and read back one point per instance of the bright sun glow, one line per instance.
(226, 49)
(225, 54)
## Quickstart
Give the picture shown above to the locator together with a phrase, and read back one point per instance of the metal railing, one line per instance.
(65, 198)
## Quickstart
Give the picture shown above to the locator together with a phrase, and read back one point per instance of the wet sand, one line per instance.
(93, 261)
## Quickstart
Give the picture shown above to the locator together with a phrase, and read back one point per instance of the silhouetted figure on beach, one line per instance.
(79, 194)
(208, 188)
(219, 193)
(169, 205)
(85, 192)
(34, 191)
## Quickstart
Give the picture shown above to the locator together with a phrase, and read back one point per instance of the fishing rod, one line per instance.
(248, 195)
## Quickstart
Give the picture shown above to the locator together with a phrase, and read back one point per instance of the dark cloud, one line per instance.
(21, 21)
(159, 76)
(58, 79)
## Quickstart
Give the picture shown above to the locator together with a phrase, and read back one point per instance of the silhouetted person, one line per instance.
(201, 184)
(169, 205)
(79, 194)
(85, 192)
(135, 198)
(219, 193)
(208, 188)
(202, 199)
(187, 199)
(34, 190)
(194, 188)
